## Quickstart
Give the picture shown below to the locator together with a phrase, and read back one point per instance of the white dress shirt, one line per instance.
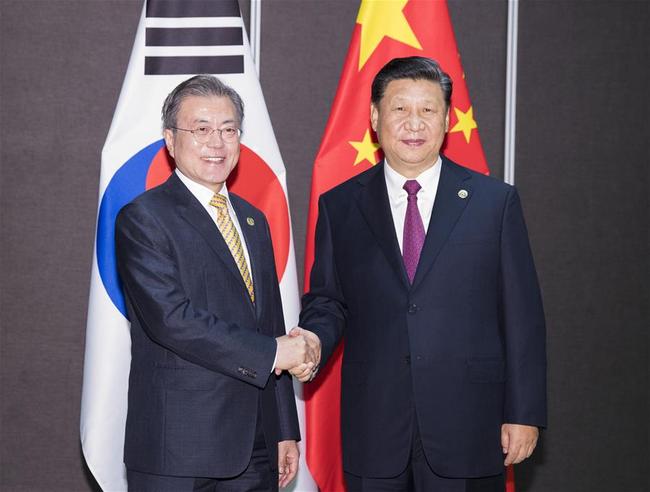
(397, 196)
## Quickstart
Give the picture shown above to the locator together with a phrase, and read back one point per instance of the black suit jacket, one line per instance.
(202, 352)
(464, 346)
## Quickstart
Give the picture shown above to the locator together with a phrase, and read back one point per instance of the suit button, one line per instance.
(247, 372)
(413, 308)
(407, 359)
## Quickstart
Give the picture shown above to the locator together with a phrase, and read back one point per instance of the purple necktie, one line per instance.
(413, 230)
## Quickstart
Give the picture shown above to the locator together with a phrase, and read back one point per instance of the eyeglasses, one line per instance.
(203, 134)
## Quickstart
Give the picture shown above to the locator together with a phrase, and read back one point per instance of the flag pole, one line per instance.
(510, 127)
(256, 32)
(511, 93)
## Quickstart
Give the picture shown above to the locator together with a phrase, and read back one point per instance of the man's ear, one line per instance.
(169, 140)
(447, 120)
(374, 116)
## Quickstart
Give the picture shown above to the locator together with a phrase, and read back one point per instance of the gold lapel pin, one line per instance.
(250, 221)
(463, 194)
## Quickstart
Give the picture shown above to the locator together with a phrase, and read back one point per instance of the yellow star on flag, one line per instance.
(380, 19)
(366, 149)
(465, 123)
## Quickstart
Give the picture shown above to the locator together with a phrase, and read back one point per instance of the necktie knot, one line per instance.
(219, 202)
(412, 187)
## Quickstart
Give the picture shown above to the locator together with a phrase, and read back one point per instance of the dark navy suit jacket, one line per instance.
(202, 352)
(464, 346)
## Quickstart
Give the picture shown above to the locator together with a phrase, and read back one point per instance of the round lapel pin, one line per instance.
(462, 194)
(250, 221)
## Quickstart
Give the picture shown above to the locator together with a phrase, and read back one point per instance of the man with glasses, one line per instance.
(209, 407)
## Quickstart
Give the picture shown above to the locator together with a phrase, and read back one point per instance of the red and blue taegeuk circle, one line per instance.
(252, 179)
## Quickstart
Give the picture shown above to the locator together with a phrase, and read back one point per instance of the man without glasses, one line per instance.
(424, 266)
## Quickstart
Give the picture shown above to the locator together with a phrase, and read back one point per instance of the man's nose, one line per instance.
(215, 139)
(414, 122)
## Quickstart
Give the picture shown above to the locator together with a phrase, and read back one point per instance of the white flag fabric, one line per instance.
(175, 40)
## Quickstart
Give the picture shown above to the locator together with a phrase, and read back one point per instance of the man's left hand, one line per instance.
(518, 442)
(288, 455)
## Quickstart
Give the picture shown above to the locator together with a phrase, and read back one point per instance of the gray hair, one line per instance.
(203, 86)
(414, 68)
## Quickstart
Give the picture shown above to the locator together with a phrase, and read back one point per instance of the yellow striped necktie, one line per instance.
(231, 236)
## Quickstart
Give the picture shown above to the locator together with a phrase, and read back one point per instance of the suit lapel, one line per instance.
(194, 214)
(375, 207)
(251, 232)
(447, 209)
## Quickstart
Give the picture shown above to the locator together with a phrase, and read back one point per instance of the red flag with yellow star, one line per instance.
(384, 30)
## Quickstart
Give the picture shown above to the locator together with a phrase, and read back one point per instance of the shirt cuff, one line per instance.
(275, 359)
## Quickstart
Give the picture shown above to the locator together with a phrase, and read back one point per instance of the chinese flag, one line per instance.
(385, 29)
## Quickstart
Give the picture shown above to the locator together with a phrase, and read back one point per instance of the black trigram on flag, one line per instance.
(186, 37)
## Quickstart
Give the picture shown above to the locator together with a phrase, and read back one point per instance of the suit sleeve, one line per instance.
(151, 281)
(324, 309)
(523, 322)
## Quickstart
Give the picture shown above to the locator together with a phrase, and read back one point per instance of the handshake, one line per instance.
(298, 353)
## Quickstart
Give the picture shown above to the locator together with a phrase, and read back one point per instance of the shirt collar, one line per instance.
(202, 193)
(428, 179)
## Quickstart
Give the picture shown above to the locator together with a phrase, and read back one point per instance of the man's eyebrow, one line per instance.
(204, 120)
(407, 100)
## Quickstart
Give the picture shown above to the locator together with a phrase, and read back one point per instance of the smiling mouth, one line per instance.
(214, 160)
(413, 142)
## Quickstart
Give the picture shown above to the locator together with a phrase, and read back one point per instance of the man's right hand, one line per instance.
(299, 353)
